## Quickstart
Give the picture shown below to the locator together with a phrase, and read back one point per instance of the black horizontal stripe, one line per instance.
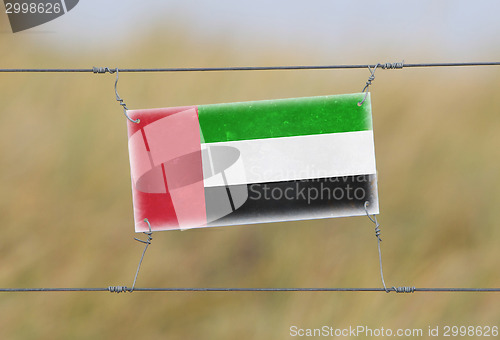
(289, 200)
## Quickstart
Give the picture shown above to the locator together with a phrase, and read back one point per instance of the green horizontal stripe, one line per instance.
(284, 117)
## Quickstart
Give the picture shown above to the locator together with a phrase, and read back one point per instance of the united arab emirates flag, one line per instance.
(252, 162)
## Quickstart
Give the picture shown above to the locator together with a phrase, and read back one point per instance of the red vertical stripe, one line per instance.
(167, 174)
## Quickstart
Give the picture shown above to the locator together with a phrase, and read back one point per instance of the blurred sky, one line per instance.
(420, 30)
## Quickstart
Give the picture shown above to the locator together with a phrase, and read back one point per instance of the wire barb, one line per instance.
(102, 70)
(118, 289)
(393, 66)
(404, 289)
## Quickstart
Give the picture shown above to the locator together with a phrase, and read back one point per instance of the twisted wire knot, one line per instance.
(369, 81)
(122, 103)
(374, 221)
(378, 232)
(118, 289)
(147, 233)
(403, 289)
(103, 70)
(392, 66)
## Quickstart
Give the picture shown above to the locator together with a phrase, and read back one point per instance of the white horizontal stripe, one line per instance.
(295, 158)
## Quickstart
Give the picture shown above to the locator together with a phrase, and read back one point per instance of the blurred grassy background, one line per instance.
(66, 208)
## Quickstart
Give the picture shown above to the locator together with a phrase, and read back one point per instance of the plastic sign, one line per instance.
(252, 162)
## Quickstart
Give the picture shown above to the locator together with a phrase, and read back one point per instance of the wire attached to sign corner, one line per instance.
(379, 239)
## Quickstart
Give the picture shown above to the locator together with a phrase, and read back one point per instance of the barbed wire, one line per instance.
(398, 65)
(120, 289)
